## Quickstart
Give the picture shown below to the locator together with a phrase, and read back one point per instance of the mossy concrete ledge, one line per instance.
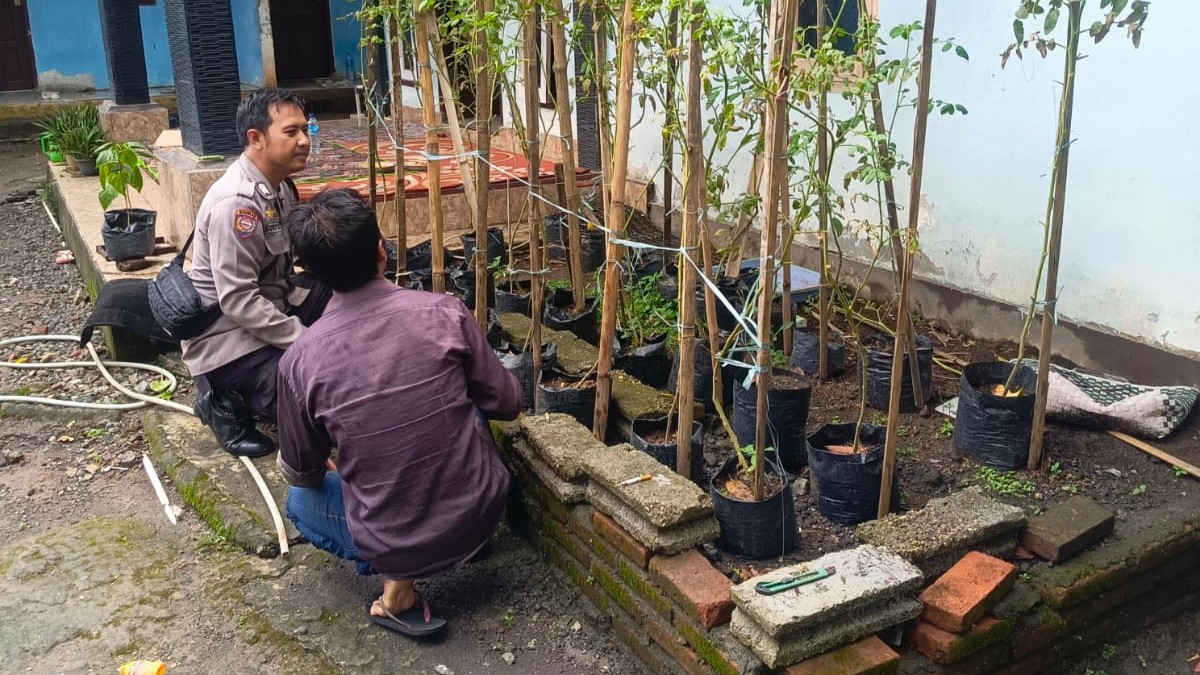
(630, 398)
(937, 536)
(215, 484)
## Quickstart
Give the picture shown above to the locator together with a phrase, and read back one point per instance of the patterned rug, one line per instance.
(343, 163)
(1104, 403)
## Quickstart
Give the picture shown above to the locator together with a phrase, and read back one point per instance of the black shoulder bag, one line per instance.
(176, 305)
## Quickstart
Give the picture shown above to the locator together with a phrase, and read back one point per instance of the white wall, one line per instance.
(1132, 228)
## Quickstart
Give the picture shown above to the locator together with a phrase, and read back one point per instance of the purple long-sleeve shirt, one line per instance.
(392, 378)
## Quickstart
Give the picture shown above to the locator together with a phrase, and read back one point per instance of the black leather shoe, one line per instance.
(232, 422)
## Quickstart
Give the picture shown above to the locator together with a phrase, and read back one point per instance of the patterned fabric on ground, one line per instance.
(1109, 404)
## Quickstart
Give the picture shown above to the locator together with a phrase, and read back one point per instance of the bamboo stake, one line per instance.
(370, 82)
(1050, 305)
(483, 148)
(400, 217)
(785, 222)
(669, 136)
(783, 28)
(914, 201)
(455, 128)
(693, 195)
(562, 108)
(600, 42)
(434, 166)
(823, 209)
(893, 221)
(615, 218)
(533, 161)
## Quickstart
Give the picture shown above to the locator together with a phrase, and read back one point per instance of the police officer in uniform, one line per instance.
(242, 261)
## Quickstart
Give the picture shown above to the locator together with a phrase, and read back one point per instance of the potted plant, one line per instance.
(129, 232)
(756, 528)
(76, 133)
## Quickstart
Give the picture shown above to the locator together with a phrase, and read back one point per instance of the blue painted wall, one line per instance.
(69, 49)
(247, 39)
(347, 32)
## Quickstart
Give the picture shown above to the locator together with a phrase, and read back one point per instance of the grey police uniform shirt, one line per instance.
(241, 259)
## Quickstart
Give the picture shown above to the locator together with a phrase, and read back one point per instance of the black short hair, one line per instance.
(254, 112)
(336, 237)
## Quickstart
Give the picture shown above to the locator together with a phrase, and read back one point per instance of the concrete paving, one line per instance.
(666, 540)
(666, 500)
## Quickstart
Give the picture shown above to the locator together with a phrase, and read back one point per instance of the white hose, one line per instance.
(142, 401)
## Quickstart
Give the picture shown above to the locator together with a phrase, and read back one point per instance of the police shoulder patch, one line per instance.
(245, 221)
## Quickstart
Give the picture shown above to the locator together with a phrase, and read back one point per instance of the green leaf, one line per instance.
(107, 195)
(1118, 6)
(1019, 30)
(962, 52)
(1051, 20)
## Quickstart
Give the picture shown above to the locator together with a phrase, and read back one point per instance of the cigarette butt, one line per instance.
(640, 479)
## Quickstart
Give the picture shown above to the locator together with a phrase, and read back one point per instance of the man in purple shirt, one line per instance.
(398, 381)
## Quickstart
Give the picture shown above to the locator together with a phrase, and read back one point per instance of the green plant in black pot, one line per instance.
(129, 232)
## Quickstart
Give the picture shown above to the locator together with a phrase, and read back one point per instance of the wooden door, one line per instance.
(16, 49)
(303, 39)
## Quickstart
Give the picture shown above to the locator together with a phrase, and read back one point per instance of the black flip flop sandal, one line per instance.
(416, 621)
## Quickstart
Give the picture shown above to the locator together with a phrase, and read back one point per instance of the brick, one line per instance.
(869, 656)
(629, 590)
(664, 634)
(691, 580)
(546, 526)
(1036, 630)
(944, 647)
(961, 596)
(719, 648)
(1066, 529)
(620, 539)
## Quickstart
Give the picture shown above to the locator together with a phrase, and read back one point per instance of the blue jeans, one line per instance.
(320, 515)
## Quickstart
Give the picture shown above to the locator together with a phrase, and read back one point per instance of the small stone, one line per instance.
(576, 626)
(127, 458)
(11, 457)
(508, 658)
(300, 630)
(39, 330)
(441, 669)
(532, 644)
(71, 472)
(92, 468)
(1114, 471)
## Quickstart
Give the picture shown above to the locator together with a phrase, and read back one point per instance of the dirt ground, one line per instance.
(92, 575)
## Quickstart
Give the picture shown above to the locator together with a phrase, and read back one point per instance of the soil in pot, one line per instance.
(559, 314)
(993, 424)
(495, 246)
(519, 362)
(756, 529)
(876, 373)
(128, 234)
(512, 297)
(787, 413)
(558, 392)
(655, 438)
(650, 363)
(846, 477)
(806, 350)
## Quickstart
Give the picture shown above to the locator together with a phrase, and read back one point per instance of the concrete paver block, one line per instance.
(567, 492)
(561, 441)
(865, 577)
(665, 540)
(869, 656)
(1066, 529)
(968, 591)
(666, 500)
(953, 524)
(866, 621)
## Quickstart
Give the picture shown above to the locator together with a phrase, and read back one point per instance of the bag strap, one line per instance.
(182, 255)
